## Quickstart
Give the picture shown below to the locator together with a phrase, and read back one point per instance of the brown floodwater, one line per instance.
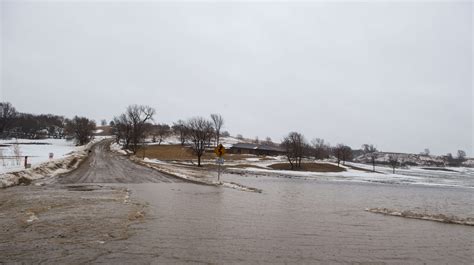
(299, 221)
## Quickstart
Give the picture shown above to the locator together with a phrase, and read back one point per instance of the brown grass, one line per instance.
(313, 167)
(184, 153)
(168, 152)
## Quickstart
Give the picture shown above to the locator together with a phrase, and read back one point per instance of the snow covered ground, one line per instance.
(45, 167)
(37, 151)
(459, 177)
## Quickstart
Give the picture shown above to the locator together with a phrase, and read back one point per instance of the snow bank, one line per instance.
(117, 148)
(201, 176)
(190, 173)
(241, 187)
(450, 219)
(50, 168)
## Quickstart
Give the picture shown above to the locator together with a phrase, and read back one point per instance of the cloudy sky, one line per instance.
(398, 75)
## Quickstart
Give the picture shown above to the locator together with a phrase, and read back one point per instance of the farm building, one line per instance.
(256, 149)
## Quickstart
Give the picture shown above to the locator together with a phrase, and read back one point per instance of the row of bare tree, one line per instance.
(131, 127)
(296, 148)
(25, 125)
(136, 124)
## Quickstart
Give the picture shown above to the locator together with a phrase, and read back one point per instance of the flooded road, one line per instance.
(304, 222)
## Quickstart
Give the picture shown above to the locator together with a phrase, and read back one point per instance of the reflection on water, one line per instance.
(301, 221)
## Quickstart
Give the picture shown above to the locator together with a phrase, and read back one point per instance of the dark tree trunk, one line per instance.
(291, 163)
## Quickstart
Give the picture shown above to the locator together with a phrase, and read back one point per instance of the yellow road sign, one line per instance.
(219, 150)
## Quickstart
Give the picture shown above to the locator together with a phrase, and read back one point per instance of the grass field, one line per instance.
(312, 167)
(183, 153)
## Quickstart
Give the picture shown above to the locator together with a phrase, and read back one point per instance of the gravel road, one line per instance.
(103, 166)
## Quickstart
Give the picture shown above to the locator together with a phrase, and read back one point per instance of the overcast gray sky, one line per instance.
(398, 75)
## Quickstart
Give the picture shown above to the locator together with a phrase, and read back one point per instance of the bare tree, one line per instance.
(138, 116)
(122, 129)
(338, 152)
(427, 152)
(294, 145)
(160, 132)
(133, 125)
(103, 122)
(7, 115)
(239, 137)
(346, 154)
(256, 141)
(218, 122)
(369, 148)
(461, 156)
(393, 161)
(180, 129)
(320, 149)
(81, 129)
(372, 152)
(268, 141)
(373, 157)
(200, 133)
(449, 158)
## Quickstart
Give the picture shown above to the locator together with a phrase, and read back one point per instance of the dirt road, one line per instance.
(103, 166)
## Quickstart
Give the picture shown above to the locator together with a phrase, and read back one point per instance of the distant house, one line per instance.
(256, 149)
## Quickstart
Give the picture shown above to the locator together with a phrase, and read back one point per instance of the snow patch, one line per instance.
(450, 219)
(238, 186)
(31, 217)
(117, 148)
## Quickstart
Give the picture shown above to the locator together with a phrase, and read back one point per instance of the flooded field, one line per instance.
(301, 221)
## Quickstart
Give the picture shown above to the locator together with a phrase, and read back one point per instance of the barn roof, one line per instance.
(262, 147)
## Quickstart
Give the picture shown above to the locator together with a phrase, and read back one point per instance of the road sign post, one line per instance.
(219, 151)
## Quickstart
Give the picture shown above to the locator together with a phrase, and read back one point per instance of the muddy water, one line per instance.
(296, 221)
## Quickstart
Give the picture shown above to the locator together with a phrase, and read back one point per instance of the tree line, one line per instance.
(15, 124)
(132, 127)
(296, 147)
